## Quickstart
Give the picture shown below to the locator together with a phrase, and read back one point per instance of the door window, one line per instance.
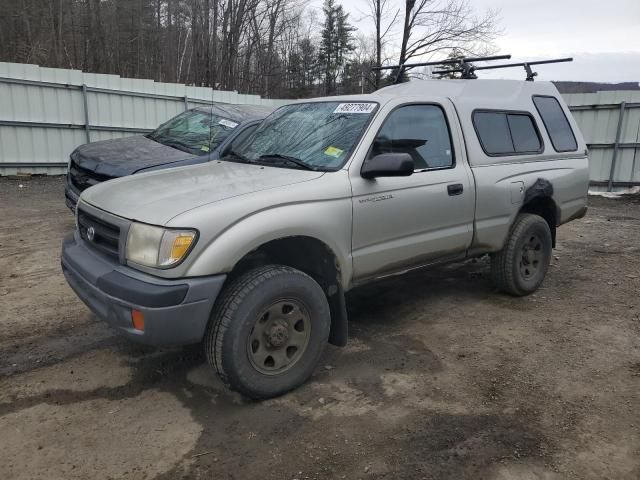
(419, 130)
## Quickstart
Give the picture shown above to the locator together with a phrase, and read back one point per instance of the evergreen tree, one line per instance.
(303, 69)
(336, 43)
(456, 54)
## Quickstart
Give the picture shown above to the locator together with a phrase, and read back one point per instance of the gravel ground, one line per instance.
(443, 377)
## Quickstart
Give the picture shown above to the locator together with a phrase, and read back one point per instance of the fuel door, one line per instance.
(517, 192)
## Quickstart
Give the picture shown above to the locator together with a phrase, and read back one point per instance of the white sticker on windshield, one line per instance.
(228, 123)
(355, 108)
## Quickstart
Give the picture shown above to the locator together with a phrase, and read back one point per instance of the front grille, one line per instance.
(99, 234)
(83, 178)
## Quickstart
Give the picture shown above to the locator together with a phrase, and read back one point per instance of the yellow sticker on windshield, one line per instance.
(204, 148)
(333, 152)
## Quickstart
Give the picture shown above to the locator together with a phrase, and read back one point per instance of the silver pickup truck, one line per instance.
(252, 254)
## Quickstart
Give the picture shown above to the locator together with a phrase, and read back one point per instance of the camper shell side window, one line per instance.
(556, 123)
(506, 133)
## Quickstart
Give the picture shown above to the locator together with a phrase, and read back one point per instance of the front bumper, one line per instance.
(176, 312)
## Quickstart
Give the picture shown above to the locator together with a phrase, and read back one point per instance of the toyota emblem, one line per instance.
(91, 233)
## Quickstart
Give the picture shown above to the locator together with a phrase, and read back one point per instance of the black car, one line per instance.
(198, 135)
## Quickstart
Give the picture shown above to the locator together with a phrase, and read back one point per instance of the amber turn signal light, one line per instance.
(137, 318)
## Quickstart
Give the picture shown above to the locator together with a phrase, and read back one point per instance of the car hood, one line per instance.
(157, 197)
(125, 156)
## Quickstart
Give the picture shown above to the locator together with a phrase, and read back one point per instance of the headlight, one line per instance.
(158, 247)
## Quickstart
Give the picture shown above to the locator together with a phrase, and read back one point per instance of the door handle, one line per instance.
(455, 189)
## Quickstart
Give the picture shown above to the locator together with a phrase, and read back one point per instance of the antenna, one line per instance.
(527, 67)
(212, 87)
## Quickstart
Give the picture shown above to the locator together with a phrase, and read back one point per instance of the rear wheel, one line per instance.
(521, 266)
(268, 331)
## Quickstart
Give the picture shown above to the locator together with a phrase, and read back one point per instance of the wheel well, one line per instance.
(547, 209)
(312, 257)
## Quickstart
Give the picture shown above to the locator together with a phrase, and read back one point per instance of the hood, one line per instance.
(157, 197)
(125, 156)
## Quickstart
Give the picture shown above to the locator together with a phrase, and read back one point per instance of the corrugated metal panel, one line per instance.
(600, 126)
(56, 97)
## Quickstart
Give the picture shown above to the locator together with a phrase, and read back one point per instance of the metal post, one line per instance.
(186, 103)
(87, 127)
(616, 146)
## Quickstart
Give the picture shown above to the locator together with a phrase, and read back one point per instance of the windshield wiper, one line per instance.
(286, 158)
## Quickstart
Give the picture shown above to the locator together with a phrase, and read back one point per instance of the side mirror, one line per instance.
(388, 165)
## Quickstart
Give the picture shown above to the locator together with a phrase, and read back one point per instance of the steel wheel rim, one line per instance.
(279, 337)
(531, 257)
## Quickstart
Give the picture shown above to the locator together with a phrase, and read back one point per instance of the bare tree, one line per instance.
(384, 18)
(277, 48)
(438, 26)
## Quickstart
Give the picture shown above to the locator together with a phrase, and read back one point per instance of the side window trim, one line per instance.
(507, 113)
(447, 123)
(575, 140)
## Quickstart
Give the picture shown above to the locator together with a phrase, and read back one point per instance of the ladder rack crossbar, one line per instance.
(505, 65)
(527, 66)
(455, 61)
(465, 66)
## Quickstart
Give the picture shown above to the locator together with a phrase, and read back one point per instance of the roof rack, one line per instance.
(527, 67)
(465, 66)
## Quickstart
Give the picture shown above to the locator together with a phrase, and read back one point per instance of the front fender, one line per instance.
(328, 221)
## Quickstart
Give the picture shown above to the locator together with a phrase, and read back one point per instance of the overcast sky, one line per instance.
(603, 36)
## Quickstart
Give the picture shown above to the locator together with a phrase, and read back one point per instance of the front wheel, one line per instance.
(520, 267)
(268, 331)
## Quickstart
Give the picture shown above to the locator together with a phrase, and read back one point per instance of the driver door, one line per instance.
(401, 222)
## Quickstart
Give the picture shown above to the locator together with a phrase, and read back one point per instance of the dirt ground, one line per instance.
(443, 377)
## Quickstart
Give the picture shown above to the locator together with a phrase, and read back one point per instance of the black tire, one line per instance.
(519, 268)
(240, 311)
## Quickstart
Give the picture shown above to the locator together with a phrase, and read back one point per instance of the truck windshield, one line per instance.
(315, 136)
(194, 132)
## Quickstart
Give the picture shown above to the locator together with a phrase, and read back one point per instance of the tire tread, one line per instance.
(502, 262)
(226, 306)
